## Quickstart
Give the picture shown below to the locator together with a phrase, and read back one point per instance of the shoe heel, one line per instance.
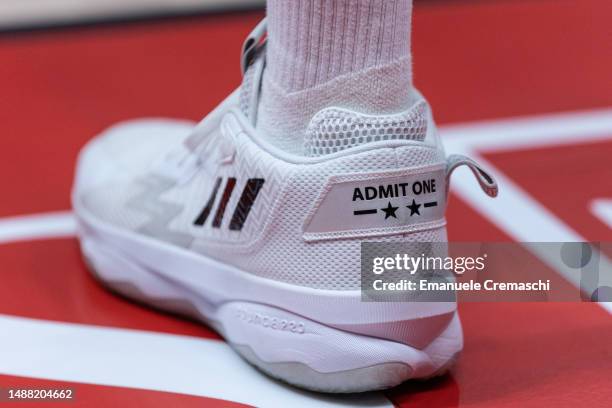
(311, 355)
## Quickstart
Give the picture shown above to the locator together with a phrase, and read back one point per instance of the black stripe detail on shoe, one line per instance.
(364, 212)
(227, 193)
(201, 220)
(430, 204)
(249, 194)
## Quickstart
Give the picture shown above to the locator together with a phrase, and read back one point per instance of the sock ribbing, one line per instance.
(311, 42)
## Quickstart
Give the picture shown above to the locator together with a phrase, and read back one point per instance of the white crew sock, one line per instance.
(352, 54)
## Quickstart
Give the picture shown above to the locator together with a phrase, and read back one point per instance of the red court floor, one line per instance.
(474, 60)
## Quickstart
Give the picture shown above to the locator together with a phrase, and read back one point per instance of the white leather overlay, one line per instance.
(376, 204)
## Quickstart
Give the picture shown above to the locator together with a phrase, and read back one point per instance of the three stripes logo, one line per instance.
(243, 208)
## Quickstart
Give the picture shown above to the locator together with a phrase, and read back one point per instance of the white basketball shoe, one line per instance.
(209, 220)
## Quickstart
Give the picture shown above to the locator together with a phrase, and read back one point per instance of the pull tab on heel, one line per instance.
(485, 179)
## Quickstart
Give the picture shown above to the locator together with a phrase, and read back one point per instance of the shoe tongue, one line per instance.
(334, 129)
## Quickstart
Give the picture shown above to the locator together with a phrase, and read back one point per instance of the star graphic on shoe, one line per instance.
(390, 211)
(414, 208)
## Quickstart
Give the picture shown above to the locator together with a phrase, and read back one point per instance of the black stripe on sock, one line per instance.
(201, 220)
(227, 193)
(249, 194)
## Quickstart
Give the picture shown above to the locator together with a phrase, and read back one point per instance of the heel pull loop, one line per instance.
(252, 44)
(485, 179)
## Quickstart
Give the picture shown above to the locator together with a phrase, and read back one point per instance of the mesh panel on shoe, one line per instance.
(333, 130)
(271, 244)
(106, 202)
(281, 253)
(330, 265)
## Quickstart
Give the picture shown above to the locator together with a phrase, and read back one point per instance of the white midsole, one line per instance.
(278, 321)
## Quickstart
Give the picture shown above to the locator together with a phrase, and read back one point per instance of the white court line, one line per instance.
(530, 132)
(24, 13)
(147, 360)
(514, 210)
(602, 208)
(37, 226)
